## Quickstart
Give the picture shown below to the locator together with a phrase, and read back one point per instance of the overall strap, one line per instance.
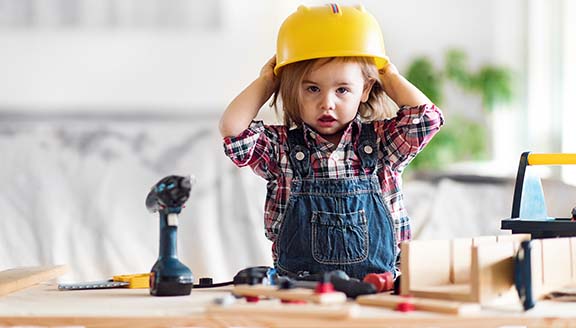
(299, 153)
(367, 147)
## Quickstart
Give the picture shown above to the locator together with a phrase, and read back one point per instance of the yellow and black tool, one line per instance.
(529, 214)
(140, 280)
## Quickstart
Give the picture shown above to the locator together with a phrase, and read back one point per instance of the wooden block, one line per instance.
(556, 263)
(536, 270)
(425, 263)
(294, 294)
(483, 240)
(405, 268)
(291, 310)
(515, 238)
(12, 280)
(492, 271)
(420, 304)
(573, 258)
(461, 257)
(461, 253)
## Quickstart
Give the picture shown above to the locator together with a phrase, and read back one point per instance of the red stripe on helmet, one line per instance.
(335, 8)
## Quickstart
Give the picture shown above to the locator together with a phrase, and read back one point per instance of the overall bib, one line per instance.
(335, 224)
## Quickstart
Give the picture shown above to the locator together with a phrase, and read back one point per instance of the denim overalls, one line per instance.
(335, 224)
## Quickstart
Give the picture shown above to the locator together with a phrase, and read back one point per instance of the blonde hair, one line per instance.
(378, 105)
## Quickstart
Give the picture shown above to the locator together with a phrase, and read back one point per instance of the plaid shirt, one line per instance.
(265, 149)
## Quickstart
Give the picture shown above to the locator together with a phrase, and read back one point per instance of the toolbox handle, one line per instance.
(528, 158)
(550, 159)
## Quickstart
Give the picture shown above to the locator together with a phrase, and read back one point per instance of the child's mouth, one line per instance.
(326, 121)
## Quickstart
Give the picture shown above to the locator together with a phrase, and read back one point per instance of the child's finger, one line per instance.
(386, 64)
(269, 66)
(388, 68)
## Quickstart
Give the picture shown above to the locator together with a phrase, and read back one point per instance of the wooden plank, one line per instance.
(452, 292)
(385, 319)
(420, 304)
(12, 280)
(294, 294)
(299, 310)
(34, 321)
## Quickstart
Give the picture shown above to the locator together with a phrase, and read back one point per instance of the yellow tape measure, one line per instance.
(140, 280)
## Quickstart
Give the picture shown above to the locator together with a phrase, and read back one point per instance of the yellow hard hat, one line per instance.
(329, 31)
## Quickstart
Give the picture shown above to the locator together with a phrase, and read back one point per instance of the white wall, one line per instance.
(71, 70)
(66, 70)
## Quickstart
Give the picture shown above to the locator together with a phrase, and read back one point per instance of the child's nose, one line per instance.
(327, 102)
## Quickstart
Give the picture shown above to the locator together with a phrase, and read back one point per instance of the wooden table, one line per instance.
(44, 305)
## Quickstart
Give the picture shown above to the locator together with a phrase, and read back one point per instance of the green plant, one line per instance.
(461, 139)
(492, 83)
(429, 80)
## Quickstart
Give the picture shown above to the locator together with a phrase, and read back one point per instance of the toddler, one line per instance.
(333, 169)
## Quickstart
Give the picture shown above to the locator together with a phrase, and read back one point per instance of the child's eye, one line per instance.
(342, 90)
(313, 88)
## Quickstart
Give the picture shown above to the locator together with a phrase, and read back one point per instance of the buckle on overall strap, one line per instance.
(299, 153)
(367, 147)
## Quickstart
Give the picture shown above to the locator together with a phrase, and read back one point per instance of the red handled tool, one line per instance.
(382, 281)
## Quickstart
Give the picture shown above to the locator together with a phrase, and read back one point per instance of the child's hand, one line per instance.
(400, 90)
(387, 71)
(244, 108)
(267, 74)
(388, 74)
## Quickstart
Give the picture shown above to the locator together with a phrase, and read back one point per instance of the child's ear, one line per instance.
(367, 89)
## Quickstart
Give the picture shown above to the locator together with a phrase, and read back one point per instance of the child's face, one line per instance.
(330, 95)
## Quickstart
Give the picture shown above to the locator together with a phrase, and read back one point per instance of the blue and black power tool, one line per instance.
(169, 276)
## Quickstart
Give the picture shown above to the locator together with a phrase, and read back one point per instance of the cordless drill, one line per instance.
(169, 276)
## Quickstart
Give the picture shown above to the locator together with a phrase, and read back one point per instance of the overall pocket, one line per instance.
(339, 238)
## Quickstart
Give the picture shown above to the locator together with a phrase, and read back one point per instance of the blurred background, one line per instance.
(100, 99)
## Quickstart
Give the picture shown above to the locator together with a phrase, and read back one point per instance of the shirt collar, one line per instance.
(351, 133)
